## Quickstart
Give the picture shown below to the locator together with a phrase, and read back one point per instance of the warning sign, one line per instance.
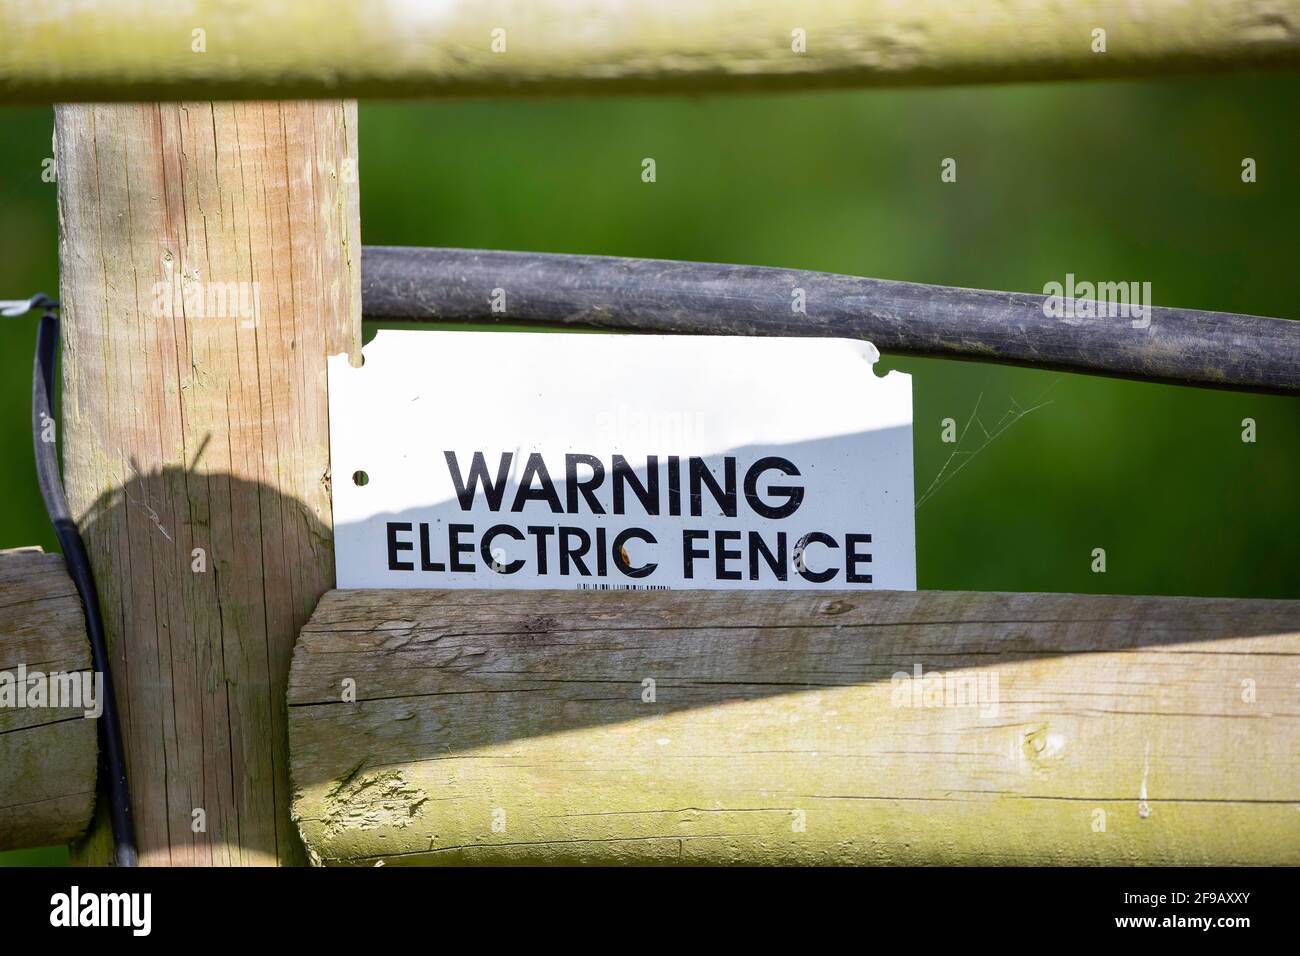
(533, 460)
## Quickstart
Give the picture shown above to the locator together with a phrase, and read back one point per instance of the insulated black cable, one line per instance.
(74, 553)
(1177, 346)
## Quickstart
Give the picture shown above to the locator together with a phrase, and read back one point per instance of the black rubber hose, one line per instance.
(74, 553)
(1180, 346)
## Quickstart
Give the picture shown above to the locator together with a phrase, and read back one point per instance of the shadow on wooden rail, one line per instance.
(795, 727)
(665, 727)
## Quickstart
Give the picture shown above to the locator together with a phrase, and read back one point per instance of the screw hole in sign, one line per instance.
(360, 479)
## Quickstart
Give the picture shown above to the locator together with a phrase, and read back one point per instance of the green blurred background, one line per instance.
(1112, 181)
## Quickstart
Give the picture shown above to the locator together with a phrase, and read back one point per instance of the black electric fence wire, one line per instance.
(74, 552)
(1150, 343)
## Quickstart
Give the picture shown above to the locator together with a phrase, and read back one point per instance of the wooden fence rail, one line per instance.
(208, 49)
(47, 754)
(762, 727)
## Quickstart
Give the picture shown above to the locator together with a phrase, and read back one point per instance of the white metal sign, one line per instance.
(534, 460)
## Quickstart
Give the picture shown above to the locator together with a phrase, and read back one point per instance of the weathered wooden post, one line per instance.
(209, 256)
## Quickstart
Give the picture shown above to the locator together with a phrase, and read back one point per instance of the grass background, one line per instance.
(1109, 181)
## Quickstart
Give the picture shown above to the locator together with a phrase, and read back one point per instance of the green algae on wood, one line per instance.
(136, 50)
(441, 727)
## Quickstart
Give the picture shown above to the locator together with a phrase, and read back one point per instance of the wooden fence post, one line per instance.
(210, 258)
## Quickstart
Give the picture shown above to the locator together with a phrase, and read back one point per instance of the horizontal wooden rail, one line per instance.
(1174, 346)
(212, 49)
(791, 727)
(47, 754)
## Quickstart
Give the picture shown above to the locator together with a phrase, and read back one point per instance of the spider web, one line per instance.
(959, 459)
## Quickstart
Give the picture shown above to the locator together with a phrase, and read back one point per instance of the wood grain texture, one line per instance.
(131, 49)
(48, 755)
(209, 256)
(511, 727)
